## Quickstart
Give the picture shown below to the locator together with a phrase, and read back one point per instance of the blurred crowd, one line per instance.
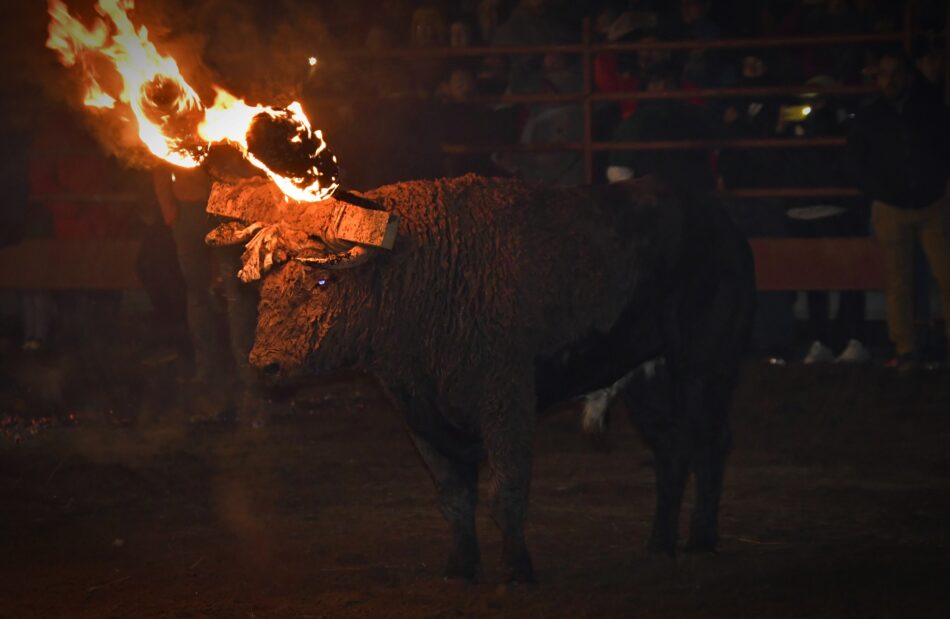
(397, 89)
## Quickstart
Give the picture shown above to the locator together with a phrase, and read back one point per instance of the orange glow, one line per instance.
(172, 121)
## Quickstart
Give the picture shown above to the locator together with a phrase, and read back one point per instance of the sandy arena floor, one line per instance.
(837, 505)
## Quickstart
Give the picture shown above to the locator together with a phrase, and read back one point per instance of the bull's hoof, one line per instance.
(702, 545)
(520, 578)
(520, 571)
(461, 572)
(661, 547)
(463, 562)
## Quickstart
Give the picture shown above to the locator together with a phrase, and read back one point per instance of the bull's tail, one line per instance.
(597, 403)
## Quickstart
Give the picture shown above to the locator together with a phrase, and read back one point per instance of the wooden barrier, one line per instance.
(54, 264)
(818, 264)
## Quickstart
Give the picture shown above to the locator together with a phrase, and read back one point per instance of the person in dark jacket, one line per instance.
(900, 151)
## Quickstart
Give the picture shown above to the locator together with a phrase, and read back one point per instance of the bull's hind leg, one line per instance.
(456, 481)
(671, 462)
(709, 464)
(662, 421)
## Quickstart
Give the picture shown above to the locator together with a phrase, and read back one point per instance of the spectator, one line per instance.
(488, 19)
(183, 195)
(754, 117)
(551, 123)
(819, 116)
(429, 30)
(750, 118)
(899, 149)
(20, 221)
(693, 21)
(530, 24)
(830, 17)
(468, 123)
(460, 34)
(68, 174)
(386, 77)
(619, 72)
(663, 119)
(929, 72)
(604, 16)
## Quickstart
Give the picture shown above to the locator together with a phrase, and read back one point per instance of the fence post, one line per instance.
(908, 32)
(587, 103)
(946, 57)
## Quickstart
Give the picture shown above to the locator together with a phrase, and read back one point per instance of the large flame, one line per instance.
(172, 121)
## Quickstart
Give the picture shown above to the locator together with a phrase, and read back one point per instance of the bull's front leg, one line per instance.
(507, 432)
(452, 458)
(456, 480)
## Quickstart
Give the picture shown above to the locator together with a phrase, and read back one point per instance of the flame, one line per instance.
(173, 123)
(230, 119)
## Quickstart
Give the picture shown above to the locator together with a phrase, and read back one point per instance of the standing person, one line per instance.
(900, 149)
(68, 174)
(183, 197)
(834, 218)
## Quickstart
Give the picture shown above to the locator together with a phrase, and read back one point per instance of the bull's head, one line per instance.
(302, 312)
(303, 300)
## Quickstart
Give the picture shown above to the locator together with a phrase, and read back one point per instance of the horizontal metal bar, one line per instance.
(578, 48)
(754, 42)
(794, 192)
(567, 98)
(713, 93)
(464, 149)
(547, 147)
(751, 143)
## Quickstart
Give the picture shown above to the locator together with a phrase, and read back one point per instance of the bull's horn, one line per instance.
(354, 256)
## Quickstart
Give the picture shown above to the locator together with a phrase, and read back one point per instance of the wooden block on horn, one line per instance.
(366, 227)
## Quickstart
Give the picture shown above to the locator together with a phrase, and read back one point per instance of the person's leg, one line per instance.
(895, 231)
(28, 315)
(851, 316)
(935, 238)
(818, 303)
(194, 258)
(241, 302)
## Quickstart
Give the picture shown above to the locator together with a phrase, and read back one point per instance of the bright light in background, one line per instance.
(312, 61)
(806, 110)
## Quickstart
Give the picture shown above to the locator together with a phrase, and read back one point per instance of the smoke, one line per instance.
(257, 51)
(260, 53)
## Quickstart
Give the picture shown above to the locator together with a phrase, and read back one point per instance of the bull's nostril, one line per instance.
(272, 369)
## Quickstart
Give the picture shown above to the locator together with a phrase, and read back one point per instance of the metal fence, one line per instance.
(588, 96)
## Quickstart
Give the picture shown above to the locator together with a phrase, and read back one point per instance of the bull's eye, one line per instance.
(322, 282)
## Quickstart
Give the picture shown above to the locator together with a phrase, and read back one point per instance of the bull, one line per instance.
(502, 297)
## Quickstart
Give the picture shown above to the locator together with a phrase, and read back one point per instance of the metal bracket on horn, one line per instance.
(355, 255)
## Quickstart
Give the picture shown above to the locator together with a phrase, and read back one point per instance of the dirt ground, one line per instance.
(837, 504)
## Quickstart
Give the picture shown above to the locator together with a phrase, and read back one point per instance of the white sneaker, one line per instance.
(854, 352)
(818, 353)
